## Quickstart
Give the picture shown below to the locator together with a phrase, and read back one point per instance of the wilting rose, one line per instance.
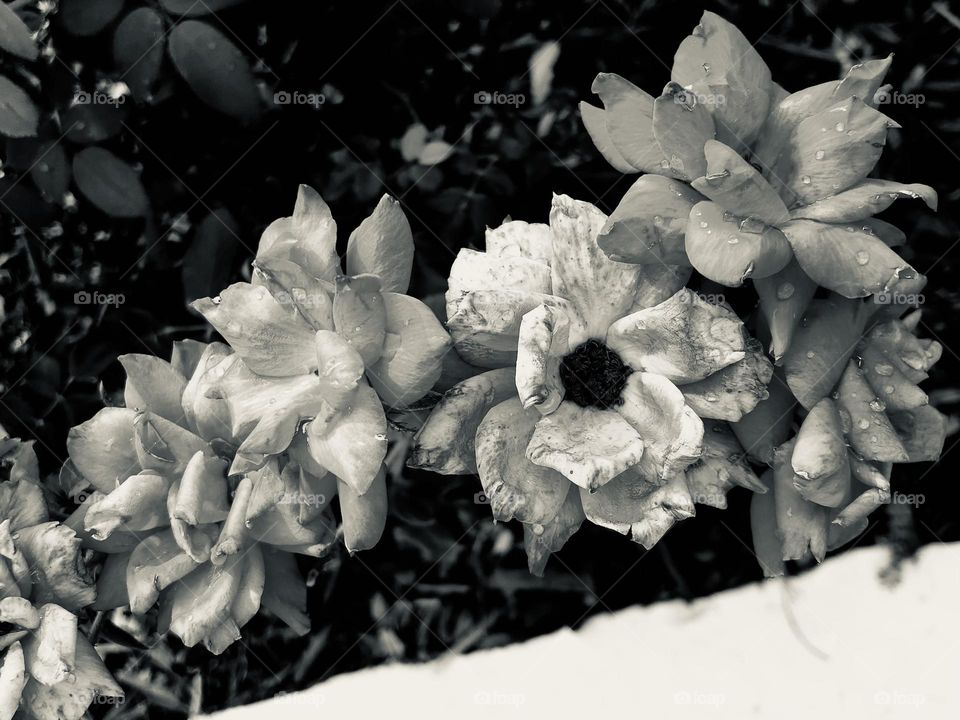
(601, 372)
(48, 669)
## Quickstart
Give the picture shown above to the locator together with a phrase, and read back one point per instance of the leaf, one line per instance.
(207, 264)
(434, 153)
(89, 124)
(540, 68)
(18, 115)
(51, 172)
(215, 69)
(87, 17)
(138, 50)
(190, 8)
(15, 36)
(109, 183)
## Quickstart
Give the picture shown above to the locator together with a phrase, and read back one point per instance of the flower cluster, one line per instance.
(749, 181)
(600, 370)
(224, 462)
(48, 669)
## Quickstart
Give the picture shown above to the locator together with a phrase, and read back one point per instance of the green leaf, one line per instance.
(215, 69)
(18, 115)
(109, 183)
(138, 50)
(87, 17)
(15, 36)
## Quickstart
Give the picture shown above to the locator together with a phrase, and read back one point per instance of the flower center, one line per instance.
(594, 375)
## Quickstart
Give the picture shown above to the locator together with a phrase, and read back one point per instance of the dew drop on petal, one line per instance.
(733, 240)
(839, 127)
(820, 155)
(863, 257)
(863, 423)
(703, 223)
(811, 354)
(877, 405)
(884, 369)
(785, 291)
(805, 180)
(889, 389)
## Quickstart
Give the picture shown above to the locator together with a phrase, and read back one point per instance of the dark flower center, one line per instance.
(594, 375)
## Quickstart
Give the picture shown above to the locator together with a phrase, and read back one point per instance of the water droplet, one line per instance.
(706, 67)
(733, 240)
(785, 291)
(884, 369)
(889, 389)
(863, 257)
(839, 127)
(703, 223)
(873, 438)
(863, 423)
(665, 163)
(657, 220)
(805, 179)
(811, 354)
(820, 155)
(710, 397)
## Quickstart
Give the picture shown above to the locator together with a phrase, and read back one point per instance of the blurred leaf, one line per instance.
(21, 153)
(18, 115)
(434, 153)
(541, 70)
(87, 17)
(194, 7)
(51, 172)
(15, 36)
(87, 124)
(138, 50)
(413, 141)
(109, 183)
(23, 203)
(207, 265)
(215, 69)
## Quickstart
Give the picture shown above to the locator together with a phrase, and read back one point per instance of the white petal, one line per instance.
(544, 340)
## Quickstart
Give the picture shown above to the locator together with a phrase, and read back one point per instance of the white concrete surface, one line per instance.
(835, 643)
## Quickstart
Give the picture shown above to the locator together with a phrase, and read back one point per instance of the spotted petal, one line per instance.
(735, 390)
(544, 340)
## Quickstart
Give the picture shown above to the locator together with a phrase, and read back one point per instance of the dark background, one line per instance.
(444, 578)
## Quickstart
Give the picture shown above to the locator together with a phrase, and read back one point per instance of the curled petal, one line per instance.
(728, 250)
(234, 535)
(154, 385)
(684, 338)
(517, 238)
(21, 500)
(135, 505)
(446, 442)
(864, 421)
(885, 376)
(364, 516)
(292, 286)
(820, 449)
(671, 431)
(474, 270)
(154, 565)
(51, 551)
(681, 126)
(51, 650)
(515, 484)
(204, 407)
(15, 579)
(629, 118)
(245, 604)
(70, 700)
(767, 544)
(636, 507)
(822, 344)
(351, 443)
(542, 540)
(832, 150)
(802, 524)
(866, 198)
(595, 122)
(648, 225)
(413, 352)
(19, 611)
(340, 369)
(544, 340)
(736, 186)
(163, 446)
(735, 390)
(864, 504)
(201, 601)
(588, 446)
(719, 64)
(769, 423)
(922, 432)
(485, 326)
(359, 315)
(659, 283)
(13, 678)
(308, 238)
(600, 289)
(847, 259)
(382, 245)
(273, 339)
(102, 448)
(202, 491)
(722, 465)
(784, 297)
(284, 592)
(118, 542)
